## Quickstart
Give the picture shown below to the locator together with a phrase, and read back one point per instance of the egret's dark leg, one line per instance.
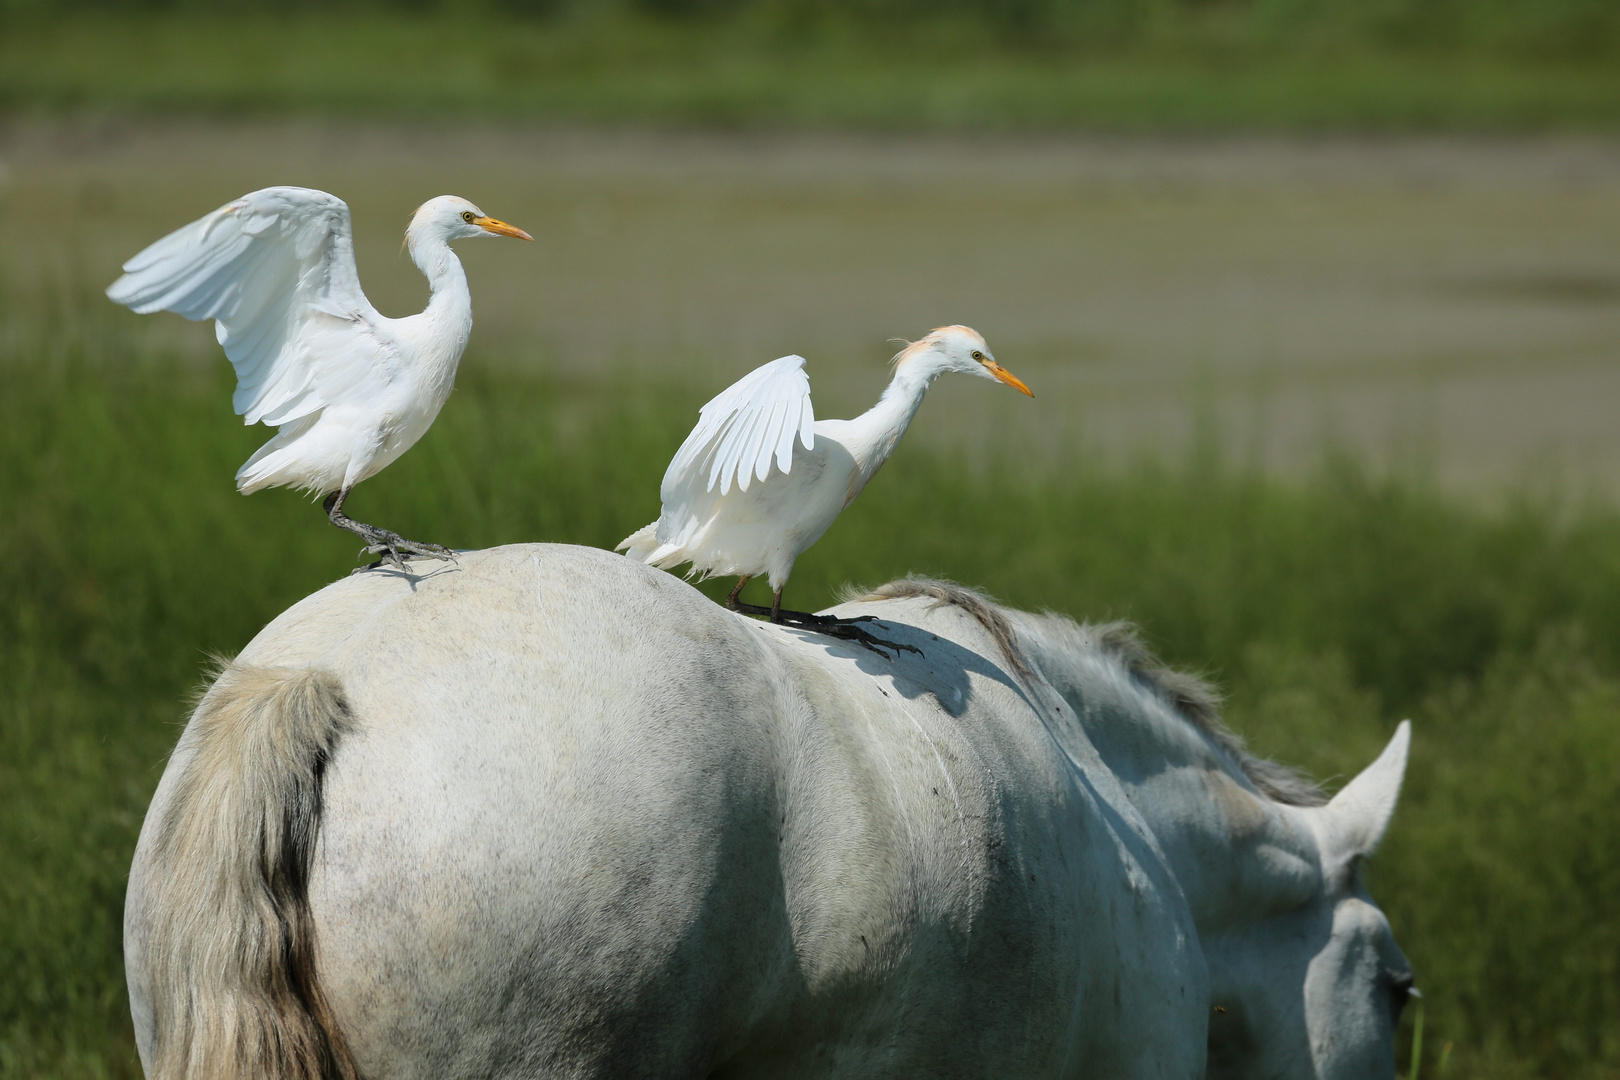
(382, 542)
(749, 609)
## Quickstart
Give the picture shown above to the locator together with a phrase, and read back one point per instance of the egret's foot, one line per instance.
(848, 631)
(393, 547)
(384, 543)
(831, 625)
(390, 545)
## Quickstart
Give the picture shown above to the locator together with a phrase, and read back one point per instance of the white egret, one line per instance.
(760, 479)
(349, 389)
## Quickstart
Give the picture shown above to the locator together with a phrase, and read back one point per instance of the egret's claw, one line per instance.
(391, 545)
(832, 626)
(846, 630)
(382, 542)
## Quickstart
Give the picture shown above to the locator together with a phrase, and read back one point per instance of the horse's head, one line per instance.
(1310, 986)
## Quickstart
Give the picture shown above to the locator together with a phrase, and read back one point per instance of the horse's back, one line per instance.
(587, 823)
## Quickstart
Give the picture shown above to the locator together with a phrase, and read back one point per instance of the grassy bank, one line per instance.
(1328, 609)
(1158, 67)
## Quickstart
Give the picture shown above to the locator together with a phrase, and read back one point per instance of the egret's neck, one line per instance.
(446, 323)
(873, 434)
(447, 280)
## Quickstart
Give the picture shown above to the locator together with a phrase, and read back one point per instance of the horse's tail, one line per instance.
(230, 945)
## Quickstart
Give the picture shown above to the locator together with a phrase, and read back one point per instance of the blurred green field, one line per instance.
(1329, 607)
(1114, 65)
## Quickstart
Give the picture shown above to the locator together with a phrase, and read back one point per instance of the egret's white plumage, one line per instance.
(759, 479)
(349, 389)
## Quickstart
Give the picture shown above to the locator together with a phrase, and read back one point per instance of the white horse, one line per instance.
(552, 813)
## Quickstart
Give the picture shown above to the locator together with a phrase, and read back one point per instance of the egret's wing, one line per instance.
(275, 270)
(740, 432)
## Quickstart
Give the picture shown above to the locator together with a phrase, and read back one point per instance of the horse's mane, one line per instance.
(1191, 697)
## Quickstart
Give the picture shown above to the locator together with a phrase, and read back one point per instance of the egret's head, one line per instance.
(955, 348)
(455, 218)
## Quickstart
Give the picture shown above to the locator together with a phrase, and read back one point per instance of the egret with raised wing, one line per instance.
(348, 389)
(760, 479)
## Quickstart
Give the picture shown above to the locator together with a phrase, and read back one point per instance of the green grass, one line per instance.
(766, 67)
(1328, 609)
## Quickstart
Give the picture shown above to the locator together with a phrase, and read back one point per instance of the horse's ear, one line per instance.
(1354, 822)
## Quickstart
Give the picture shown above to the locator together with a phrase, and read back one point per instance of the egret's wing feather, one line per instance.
(743, 428)
(807, 432)
(770, 436)
(275, 270)
(738, 434)
(738, 464)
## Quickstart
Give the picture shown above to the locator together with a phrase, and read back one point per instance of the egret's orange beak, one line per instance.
(500, 228)
(1007, 377)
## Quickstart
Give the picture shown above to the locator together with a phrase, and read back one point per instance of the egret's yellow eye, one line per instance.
(979, 356)
(467, 216)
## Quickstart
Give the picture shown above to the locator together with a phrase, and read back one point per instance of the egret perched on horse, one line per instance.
(550, 813)
(792, 474)
(348, 389)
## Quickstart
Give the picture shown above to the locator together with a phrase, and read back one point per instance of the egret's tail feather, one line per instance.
(231, 943)
(640, 544)
(278, 463)
(258, 471)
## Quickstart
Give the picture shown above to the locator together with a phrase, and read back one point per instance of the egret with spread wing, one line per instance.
(760, 478)
(349, 389)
